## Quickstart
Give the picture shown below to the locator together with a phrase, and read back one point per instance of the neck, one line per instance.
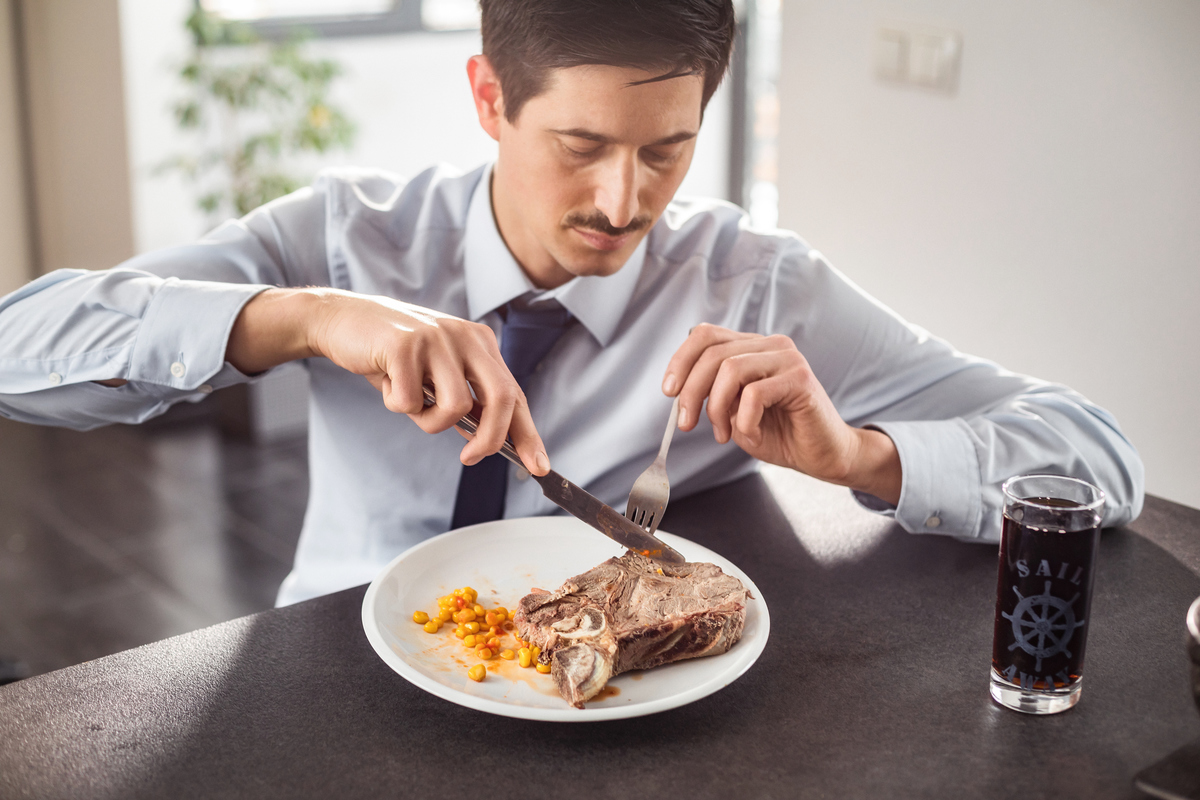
(537, 264)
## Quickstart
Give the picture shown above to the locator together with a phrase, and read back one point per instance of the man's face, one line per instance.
(590, 165)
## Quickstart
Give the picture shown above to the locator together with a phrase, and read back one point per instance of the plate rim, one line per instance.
(566, 714)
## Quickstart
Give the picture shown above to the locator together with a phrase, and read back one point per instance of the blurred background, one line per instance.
(1022, 179)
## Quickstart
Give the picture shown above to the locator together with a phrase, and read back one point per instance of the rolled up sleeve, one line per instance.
(160, 321)
(961, 425)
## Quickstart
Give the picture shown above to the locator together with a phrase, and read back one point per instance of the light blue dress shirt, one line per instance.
(379, 485)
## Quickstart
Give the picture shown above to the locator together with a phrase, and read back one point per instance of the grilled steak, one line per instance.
(630, 613)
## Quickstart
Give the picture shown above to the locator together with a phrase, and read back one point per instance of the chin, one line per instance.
(586, 261)
(592, 265)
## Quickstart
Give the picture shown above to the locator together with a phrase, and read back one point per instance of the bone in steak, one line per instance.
(630, 613)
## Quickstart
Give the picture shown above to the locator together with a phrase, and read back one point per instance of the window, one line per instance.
(753, 173)
(275, 19)
(246, 10)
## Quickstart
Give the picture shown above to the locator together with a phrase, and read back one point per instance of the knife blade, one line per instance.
(580, 504)
(604, 518)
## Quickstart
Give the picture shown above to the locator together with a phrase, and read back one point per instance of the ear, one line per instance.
(489, 100)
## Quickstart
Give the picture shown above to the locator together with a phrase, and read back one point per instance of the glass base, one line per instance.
(1028, 701)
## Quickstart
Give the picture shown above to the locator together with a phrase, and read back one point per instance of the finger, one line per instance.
(401, 393)
(734, 373)
(704, 371)
(756, 398)
(498, 395)
(526, 439)
(699, 339)
(453, 398)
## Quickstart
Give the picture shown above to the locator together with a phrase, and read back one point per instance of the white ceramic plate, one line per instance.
(503, 560)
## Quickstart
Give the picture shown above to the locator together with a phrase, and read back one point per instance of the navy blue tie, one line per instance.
(526, 337)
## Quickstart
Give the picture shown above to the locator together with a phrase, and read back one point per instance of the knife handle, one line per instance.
(470, 424)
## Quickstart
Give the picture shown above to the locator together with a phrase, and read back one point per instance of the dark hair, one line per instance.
(524, 39)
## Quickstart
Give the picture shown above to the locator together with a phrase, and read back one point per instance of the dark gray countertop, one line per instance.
(873, 684)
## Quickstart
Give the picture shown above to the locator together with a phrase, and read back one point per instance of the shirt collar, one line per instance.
(493, 277)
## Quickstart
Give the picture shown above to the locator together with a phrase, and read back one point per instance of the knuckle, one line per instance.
(484, 333)
(781, 342)
(707, 333)
(509, 394)
(459, 407)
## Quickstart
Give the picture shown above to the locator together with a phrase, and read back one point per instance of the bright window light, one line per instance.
(449, 15)
(265, 9)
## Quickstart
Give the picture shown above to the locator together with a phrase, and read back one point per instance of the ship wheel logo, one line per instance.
(1043, 624)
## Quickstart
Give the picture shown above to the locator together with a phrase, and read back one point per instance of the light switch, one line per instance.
(891, 55)
(933, 61)
(919, 56)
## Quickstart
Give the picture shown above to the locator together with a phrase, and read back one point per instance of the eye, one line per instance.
(660, 156)
(577, 152)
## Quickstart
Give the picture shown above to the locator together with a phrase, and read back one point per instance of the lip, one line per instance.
(602, 241)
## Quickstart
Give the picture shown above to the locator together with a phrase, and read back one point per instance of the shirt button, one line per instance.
(522, 474)
(177, 369)
(933, 522)
(55, 378)
(204, 388)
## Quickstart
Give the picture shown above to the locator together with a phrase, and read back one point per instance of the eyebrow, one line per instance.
(592, 136)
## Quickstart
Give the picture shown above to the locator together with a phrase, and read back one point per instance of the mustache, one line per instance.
(597, 221)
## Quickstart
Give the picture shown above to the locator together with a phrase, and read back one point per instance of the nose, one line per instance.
(617, 191)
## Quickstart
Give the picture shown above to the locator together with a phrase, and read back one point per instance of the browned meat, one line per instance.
(630, 613)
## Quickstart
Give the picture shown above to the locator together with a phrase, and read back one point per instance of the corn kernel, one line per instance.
(493, 643)
(420, 617)
(469, 640)
(445, 615)
(535, 651)
(507, 655)
(464, 616)
(484, 652)
(472, 627)
(502, 610)
(432, 626)
(478, 609)
(446, 601)
(543, 668)
(460, 631)
(460, 603)
(477, 672)
(490, 618)
(495, 630)
(524, 657)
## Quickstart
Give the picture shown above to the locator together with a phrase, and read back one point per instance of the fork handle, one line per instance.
(469, 423)
(672, 423)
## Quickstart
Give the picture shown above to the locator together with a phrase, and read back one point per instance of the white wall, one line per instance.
(14, 244)
(1046, 216)
(408, 93)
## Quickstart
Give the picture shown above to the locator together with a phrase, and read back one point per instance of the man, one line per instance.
(565, 295)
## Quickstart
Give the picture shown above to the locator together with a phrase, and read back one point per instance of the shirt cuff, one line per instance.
(942, 488)
(183, 335)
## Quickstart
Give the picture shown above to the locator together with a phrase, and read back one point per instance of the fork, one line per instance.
(651, 491)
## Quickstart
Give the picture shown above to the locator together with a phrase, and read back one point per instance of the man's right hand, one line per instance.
(398, 347)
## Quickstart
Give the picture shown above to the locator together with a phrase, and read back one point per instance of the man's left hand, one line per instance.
(763, 395)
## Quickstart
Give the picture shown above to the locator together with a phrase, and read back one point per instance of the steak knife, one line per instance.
(581, 504)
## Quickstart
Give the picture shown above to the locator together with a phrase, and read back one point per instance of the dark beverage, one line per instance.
(1044, 593)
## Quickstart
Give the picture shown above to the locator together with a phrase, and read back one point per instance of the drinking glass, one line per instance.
(1044, 591)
